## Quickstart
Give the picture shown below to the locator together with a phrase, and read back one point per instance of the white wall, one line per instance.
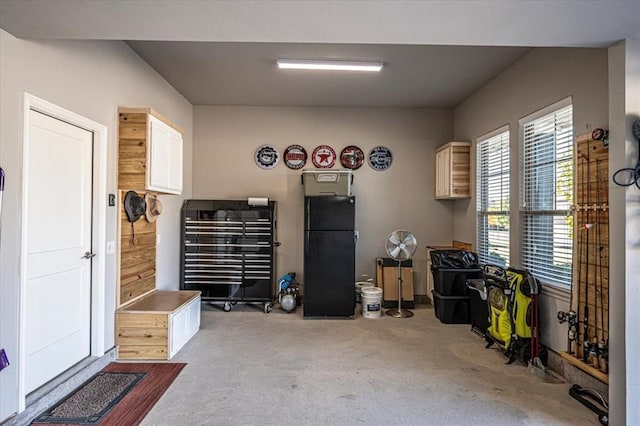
(539, 79)
(624, 109)
(91, 79)
(225, 139)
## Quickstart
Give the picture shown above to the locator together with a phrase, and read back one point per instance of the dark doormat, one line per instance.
(121, 394)
(89, 403)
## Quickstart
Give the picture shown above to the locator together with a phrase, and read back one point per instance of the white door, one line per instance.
(58, 234)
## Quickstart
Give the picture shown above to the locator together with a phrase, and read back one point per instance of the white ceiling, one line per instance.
(223, 52)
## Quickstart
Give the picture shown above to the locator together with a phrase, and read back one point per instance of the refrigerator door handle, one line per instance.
(356, 236)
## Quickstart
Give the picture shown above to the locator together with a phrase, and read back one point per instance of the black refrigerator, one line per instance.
(329, 256)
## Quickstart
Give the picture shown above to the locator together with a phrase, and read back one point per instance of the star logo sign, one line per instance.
(324, 157)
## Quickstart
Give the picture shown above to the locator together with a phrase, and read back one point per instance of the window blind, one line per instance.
(546, 178)
(492, 209)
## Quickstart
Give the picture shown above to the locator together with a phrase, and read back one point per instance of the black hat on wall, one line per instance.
(134, 206)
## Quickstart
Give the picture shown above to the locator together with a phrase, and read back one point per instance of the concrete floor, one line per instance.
(249, 368)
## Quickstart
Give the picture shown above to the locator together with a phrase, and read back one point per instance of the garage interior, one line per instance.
(451, 72)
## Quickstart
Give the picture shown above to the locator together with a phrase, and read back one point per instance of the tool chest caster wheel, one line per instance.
(267, 308)
(227, 306)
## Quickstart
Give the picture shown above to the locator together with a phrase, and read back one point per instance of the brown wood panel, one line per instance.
(594, 372)
(591, 248)
(143, 352)
(131, 181)
(145, 320)
(140, 227)
(142, 336)
(137, 257)
(143, 273)
(390, 283)
(132, 150)
(136, 289)
(143, 239)
(162, 301)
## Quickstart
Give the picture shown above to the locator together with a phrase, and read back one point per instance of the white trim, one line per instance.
(99, 226)
(493, 133)
(544, 111)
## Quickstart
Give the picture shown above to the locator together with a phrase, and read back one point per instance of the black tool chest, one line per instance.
(228, 251)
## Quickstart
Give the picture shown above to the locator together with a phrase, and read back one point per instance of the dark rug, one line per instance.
(92, 400)
(121, 394)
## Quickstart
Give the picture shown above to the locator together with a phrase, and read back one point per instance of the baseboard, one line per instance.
(49, 394)
(574, 375)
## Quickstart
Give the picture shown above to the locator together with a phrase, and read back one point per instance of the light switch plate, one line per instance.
(111, 247)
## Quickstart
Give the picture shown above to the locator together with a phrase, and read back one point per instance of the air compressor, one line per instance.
(288, 292)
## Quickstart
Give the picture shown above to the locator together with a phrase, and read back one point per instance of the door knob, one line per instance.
(88, 255)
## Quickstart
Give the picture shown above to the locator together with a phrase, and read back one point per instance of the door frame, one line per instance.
(98, 229)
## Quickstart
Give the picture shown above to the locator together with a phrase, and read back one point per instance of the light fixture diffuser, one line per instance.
(315, 64)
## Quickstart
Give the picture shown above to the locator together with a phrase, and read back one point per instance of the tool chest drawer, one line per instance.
(228, 250)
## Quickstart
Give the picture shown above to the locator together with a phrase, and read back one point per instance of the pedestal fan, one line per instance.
(400, 245)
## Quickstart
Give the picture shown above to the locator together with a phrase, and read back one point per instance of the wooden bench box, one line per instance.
(158, 325)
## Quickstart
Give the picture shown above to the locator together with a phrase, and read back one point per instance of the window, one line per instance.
(493, 198)
(546, 179)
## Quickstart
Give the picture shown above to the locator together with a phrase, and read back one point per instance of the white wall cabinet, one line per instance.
(149, 152)
(165, 158)
(453, 171)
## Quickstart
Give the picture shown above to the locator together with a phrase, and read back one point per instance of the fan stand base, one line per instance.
(399, 313)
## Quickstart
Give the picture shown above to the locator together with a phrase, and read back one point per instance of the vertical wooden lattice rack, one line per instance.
(590, 290)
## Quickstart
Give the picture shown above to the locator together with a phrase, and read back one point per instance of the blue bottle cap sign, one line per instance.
(380, 158)
(267, 156)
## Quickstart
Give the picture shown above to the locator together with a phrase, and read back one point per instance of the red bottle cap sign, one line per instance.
(324, 157)
(295, 157)
(352, 157)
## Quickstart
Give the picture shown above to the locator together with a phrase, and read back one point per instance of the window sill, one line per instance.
(561, 294)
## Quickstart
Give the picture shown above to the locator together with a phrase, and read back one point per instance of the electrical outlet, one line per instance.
(4, 360)
(111, 247)
(112, 200)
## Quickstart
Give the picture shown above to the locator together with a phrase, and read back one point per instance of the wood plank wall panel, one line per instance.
(591, 273)
(137, 256)
(132, 150)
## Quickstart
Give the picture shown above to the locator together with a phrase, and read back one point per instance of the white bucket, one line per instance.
(371, 302)
(359, 286)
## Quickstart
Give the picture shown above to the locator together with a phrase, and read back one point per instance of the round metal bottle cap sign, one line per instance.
(295, 157)
(380, 158)
(323, 157)
(267, 156)
(352, 157)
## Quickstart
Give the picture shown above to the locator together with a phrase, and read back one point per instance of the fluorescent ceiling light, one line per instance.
(314, 64)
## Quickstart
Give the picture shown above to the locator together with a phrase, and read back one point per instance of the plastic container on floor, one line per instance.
(453, 281)
(359, 286)
(371, 302)
(451, 309)
(478, 308)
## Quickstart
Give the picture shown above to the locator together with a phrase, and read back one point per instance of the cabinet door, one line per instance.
(175, 161)
(442, 173)
(159, 154)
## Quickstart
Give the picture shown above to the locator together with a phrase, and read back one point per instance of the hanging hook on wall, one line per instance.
(630, 175)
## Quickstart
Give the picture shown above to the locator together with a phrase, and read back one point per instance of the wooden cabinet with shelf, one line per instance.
(453, 171)
(387, 279)
(149, 152)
